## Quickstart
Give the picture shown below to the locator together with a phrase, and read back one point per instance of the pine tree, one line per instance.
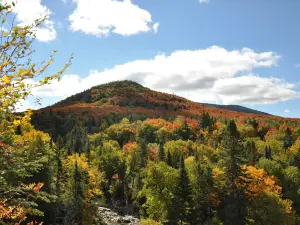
(59, 168)
(251, 152)
(58, 182)
(233, 206)
(169, 159)
(185, 132)
(206, 121)
(78, 196)
(143, 153)
(88, 150)
(288, 139)
(78, 139)
(268, 152)
(200, 197)
(161, 153)
(183, 200)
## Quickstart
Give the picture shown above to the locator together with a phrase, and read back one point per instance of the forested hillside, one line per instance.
(104, 105)
(159, 157)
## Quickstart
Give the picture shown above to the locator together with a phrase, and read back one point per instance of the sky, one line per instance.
(225, 52)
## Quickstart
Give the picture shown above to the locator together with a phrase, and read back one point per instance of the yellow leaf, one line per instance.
(6, 79)
(5, 34)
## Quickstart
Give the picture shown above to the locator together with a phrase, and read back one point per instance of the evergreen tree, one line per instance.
(59, 180)
(169, 159)
(288, 139)
(183, 200)
(161, 152)
(184, 132)
(75, 210)
(78, 139)
(233, 206)
(18, 130)
(251, 152)
(143, 153)
(268, 153)
(59, 168)
(206, 121)
(201, 196)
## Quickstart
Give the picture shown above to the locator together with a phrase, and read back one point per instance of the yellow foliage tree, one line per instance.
(17, 70)
(18, 76)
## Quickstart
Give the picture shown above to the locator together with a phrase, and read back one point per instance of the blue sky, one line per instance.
(227, 52)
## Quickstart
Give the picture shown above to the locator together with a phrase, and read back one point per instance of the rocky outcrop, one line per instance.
(108, 217)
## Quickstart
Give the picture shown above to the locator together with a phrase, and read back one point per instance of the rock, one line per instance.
(108, 217)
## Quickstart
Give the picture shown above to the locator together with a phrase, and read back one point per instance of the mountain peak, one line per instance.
(129, 97)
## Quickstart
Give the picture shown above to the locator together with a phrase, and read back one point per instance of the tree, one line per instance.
(265, 205)
(182, 207)
(58, 177)
(158, 189)
(17, 67)
(169, 158)
(78, 195)
(288, 139)
(251, 153)
(143, 152)
(202, 183)
(176, 149)
(82, 185)
(205, 120)
(19, 161)
(184, 132)
(161, 152)
(79, 142)
(268, 152)
(233, 206)
(109, 159)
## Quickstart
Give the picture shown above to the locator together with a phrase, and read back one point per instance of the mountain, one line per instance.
(123, 97)
(237, 108)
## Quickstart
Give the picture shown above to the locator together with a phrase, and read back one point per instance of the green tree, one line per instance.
(169, 158)
(161, 152)
(288, 139)
(206, 121)
(159, 190)
(233, 206)
(251, 152)
(182, 207)
(143, 153)
(78, 195)
(79, 142)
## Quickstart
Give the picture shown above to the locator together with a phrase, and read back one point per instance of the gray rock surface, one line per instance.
(108, 217)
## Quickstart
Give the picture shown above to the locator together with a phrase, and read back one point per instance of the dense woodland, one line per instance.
(159, 157)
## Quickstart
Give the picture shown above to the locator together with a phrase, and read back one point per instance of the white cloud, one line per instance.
(24, 105)
(28, 11)
(100, 18)
(155, 27)
(287, 111)
(208, 75)
(252, 89)
(203, 1)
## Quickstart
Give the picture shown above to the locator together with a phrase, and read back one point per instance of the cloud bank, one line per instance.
(103, 17)
(212, 75)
